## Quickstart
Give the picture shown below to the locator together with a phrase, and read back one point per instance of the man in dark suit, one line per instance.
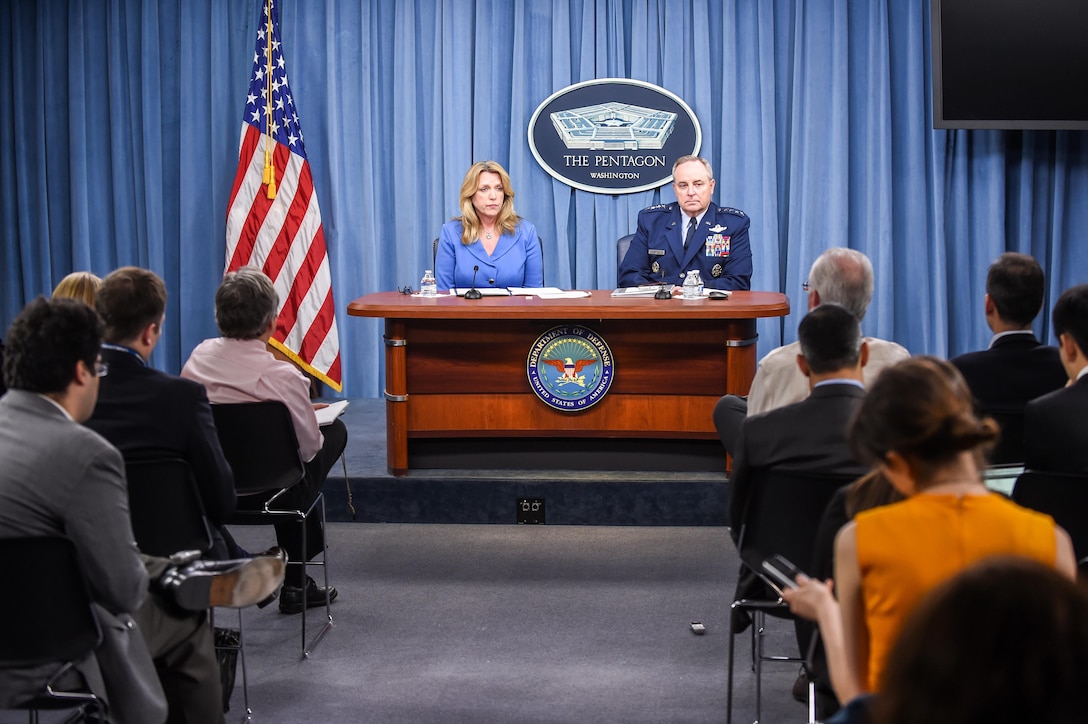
(61, 479)
(690, 234)
(148, 413)
(809, 435)
(1016, 367)
(1055, 433)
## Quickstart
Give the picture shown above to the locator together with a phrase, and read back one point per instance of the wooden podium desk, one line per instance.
(458, 396)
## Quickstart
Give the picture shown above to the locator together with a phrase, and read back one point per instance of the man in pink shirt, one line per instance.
(238, 367)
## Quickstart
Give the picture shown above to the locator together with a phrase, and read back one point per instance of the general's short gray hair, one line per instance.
(245, 304)
(684, 159)
(843, 276)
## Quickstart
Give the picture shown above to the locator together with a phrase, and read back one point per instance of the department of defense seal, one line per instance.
(570, 368)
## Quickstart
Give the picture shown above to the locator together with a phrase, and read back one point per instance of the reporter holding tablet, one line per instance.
(918, 427)
(489, 236)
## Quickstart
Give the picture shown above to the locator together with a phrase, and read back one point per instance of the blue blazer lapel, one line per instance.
(506, 243)
(674, 234)
(476, 251)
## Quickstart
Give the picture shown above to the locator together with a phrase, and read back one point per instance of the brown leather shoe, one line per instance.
(232, 584)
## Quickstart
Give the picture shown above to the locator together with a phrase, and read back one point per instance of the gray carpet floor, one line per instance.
(443, 623)
(494, 623)
(456, 623)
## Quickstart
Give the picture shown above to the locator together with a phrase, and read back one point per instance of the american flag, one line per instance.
(273, 220)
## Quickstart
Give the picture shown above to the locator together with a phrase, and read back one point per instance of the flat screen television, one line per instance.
(1016, 64)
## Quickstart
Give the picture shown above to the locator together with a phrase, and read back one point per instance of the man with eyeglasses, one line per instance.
(840, 276)
(691, 234)
(156, 658)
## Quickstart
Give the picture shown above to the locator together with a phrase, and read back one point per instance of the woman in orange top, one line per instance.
(917, 425)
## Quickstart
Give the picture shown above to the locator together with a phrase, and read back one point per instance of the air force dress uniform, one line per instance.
(719, 250)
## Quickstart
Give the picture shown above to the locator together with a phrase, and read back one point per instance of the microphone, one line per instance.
(474, 293)
(661, 292)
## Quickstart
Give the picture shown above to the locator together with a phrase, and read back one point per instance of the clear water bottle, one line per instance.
(428, 287)
(693, 285)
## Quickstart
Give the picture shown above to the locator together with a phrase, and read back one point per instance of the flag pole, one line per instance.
(269, 166)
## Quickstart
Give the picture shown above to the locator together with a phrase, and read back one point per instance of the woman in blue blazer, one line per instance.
(488, 235)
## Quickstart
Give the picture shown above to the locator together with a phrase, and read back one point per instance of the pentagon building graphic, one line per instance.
(613, 127)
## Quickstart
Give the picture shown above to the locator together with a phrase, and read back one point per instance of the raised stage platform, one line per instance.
(570, 497)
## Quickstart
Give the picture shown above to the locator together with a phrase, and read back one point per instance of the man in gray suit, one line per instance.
(59, 478)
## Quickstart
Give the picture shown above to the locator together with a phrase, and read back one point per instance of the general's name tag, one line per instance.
(657, 252)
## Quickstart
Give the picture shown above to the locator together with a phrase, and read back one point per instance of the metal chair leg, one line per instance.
(729, 683)
(307, 650)
(758, 622)
(247, 714)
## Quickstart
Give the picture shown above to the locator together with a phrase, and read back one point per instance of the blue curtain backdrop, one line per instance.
(119, 123)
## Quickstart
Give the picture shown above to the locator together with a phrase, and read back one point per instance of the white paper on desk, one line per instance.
(535, 291)
(573, 294)
(646, 290)
(326, 415)
(485, 291)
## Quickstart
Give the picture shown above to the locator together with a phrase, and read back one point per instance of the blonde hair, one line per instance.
(505, 222)
(81, 286)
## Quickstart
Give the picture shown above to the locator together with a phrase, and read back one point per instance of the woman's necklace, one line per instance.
(488, 234)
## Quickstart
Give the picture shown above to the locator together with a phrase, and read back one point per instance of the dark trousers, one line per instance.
(183, 649)
(729, 414)
(289, 532)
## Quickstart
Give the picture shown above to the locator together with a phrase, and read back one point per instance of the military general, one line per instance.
(690, 234)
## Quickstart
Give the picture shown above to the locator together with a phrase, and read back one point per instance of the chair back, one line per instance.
(622, 245)
(783, 513)
(258, 440)
(167, 514)
(1010, 446)
(1063, 496)
(47, 606)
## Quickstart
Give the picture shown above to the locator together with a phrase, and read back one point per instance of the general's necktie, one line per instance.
(691, 232)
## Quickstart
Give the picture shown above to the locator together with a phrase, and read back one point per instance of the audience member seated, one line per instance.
(809, 435)
(60, 478)
(488, 244)
(147, 413)
(81, 286)
(1004, 641)
(1055, 433)
(691, 234)
(918, 427)
(238, 367)
(1016, 367)
(869, 491)
(840, 276)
